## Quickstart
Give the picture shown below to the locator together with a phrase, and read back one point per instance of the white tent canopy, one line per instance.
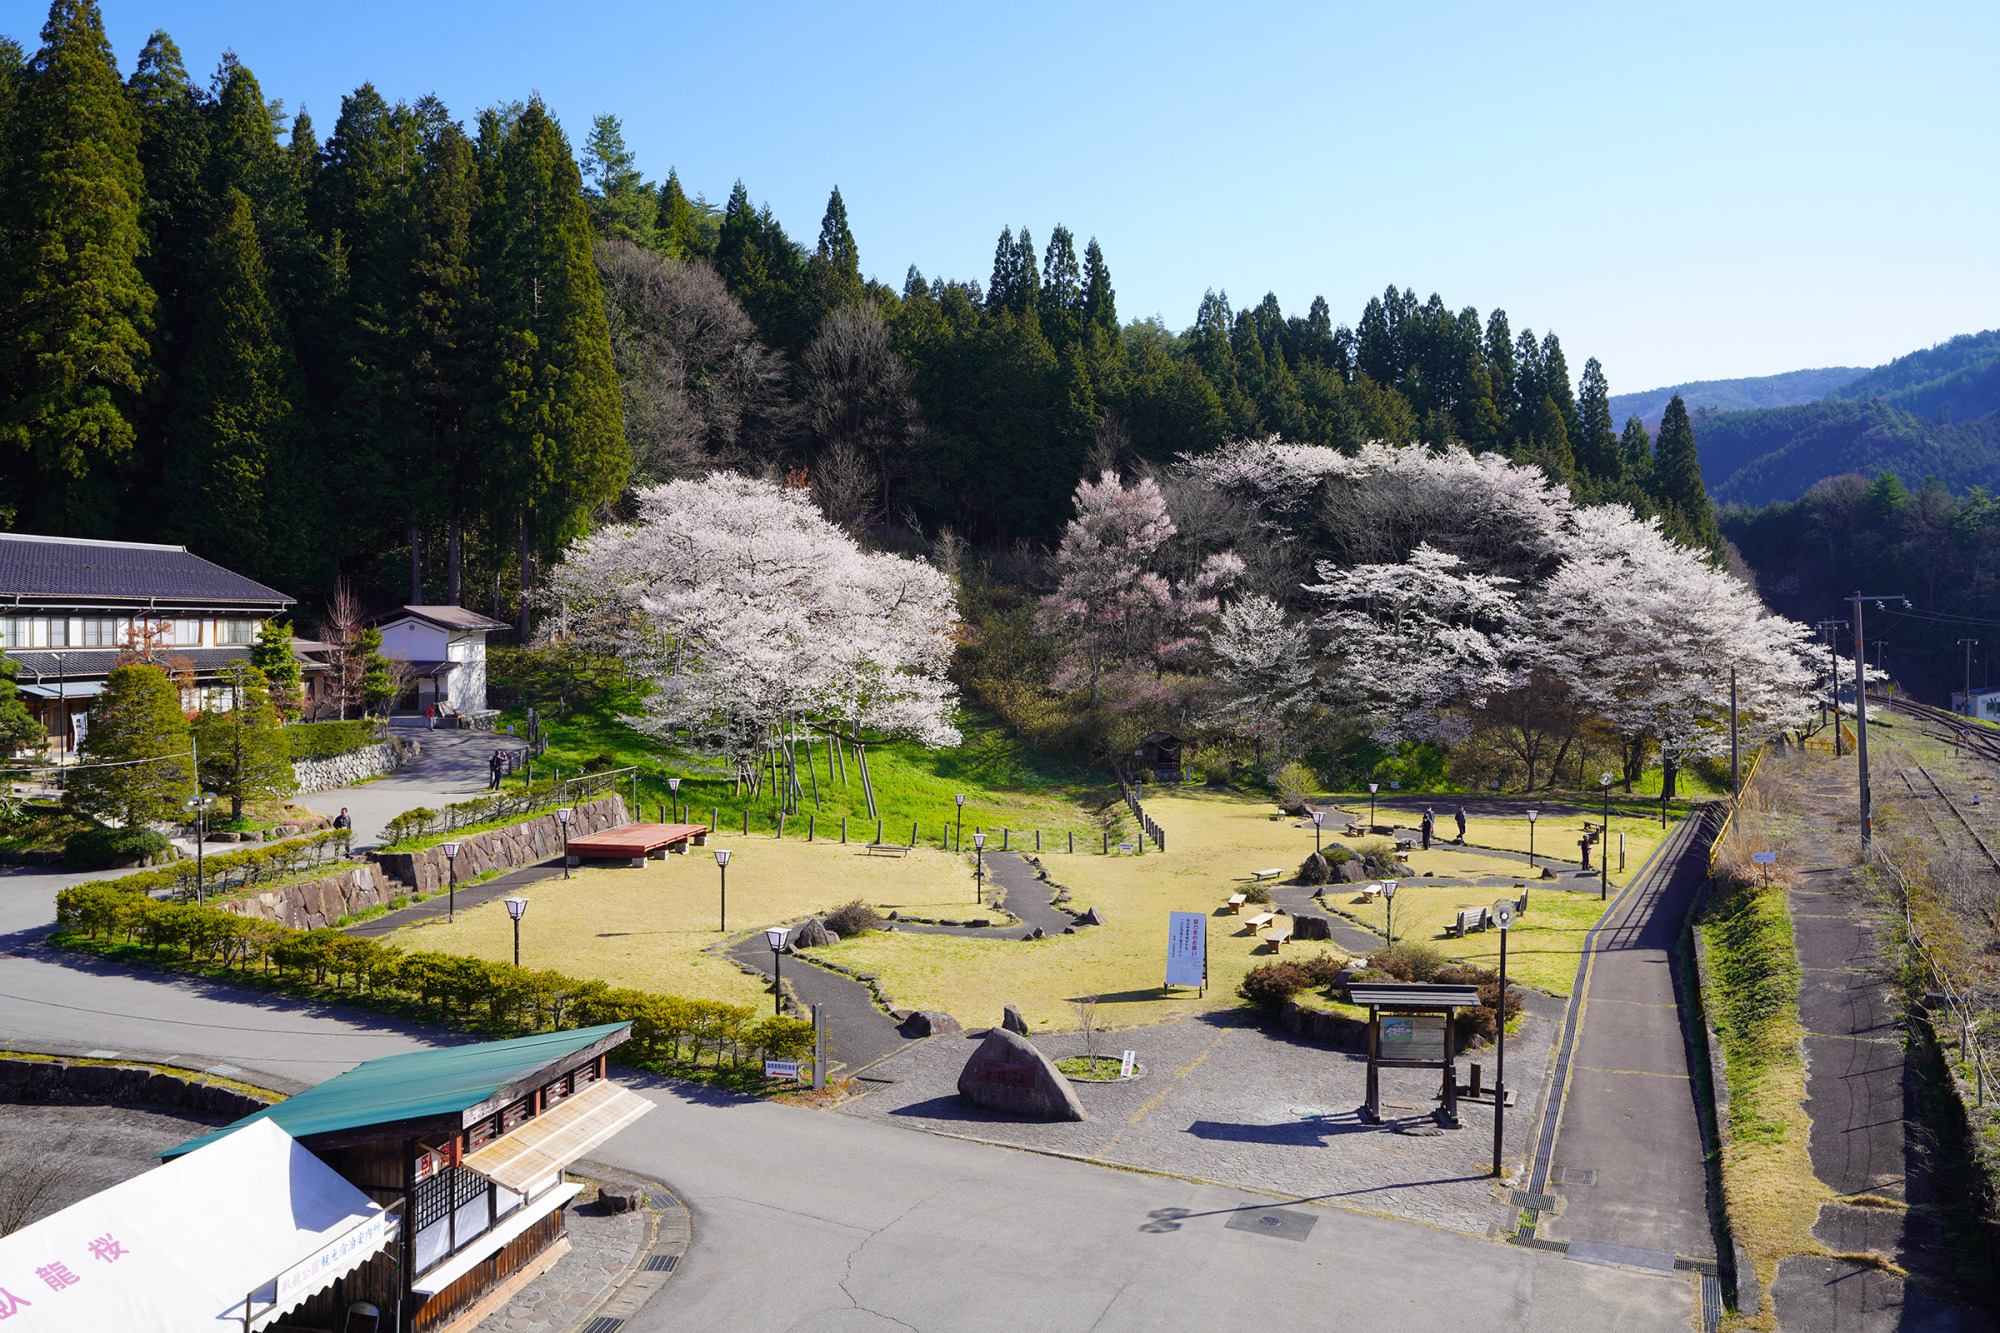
(180, 1247)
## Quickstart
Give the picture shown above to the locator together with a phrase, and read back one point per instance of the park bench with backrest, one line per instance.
(887, 849)
(1469, 921)
(1235, 903)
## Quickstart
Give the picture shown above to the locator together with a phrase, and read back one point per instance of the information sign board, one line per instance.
(1764, 858)
(1127, 846)
(1413, 1036)
(1187, 948)
(781, 1069)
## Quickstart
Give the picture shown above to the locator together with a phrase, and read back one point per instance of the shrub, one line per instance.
(324, 740)
(1269, 985)
(1259, 892)
(1337, 855)
(1409, 961)
(1294, 782)
(1321, 968)
(94, 849)
(852, 919)
(600, 762)
(1477, 1024)
(1314, 870)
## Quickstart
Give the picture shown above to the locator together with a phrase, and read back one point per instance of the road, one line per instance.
(452, 768)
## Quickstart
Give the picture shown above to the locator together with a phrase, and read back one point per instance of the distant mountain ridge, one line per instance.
(1933, 414)
(1786, 390)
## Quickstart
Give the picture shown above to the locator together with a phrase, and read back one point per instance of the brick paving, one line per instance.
(602, 1245)
(1230, 1100)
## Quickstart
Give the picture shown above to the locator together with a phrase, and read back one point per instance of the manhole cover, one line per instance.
(1288, 1223)
(1577, 1175)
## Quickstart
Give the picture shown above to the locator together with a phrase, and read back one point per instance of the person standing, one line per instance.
(1460, 817)
(1429, 826)
(496, 766)
(341, 820)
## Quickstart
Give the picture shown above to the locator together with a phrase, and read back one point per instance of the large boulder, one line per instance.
(1010, 1018)
(813, 935)
(1350, 872)
(930, 1023)
(1008, 1074)
(1093, 918)
(1314, 870)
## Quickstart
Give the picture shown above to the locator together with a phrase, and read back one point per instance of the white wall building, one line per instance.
(445, 647)
(1983, 704)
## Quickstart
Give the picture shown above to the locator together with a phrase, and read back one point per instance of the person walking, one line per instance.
(1460, 817)
(497, 765)
(341, 820)
(1429, 826)
(431, 716)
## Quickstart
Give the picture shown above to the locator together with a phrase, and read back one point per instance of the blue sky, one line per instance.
(1686, 192)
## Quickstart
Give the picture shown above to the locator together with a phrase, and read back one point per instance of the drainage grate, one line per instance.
(661, 1263)
(604, 1323)
(1711, 1303)
(1687, 1265)
(1528, 1240)
(1541, 1203)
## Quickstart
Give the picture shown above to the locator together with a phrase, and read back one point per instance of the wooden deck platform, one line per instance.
(637, 842)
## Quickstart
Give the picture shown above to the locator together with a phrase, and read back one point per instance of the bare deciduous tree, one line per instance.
(857, 391)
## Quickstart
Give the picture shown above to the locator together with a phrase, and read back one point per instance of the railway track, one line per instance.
(1962, 732)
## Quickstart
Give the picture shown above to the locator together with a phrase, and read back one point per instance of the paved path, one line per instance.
(858, 1034)
(1027, 896)
(451, 768)
(809, 1221)
(1868, 1135)
(1626, 1156)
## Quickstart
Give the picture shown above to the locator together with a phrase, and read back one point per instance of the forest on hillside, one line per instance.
(425, 353)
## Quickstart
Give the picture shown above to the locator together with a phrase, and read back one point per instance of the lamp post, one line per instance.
(1503, 917)
(722, 865)
(979, 868)
(199, 804)
(1532, 814)
(674, 787)
(1318, 815)
(562, 817)
(1604, 856)
(1373, 787)
(1389, 909)
(958, 838)
(517, 908)
(451, 866)
(776, 936)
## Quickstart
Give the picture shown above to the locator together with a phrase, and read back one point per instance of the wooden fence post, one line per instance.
(843, 830)
(913, 835)
(809, 827)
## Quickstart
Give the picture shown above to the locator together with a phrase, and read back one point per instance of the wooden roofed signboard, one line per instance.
(1411, 1025)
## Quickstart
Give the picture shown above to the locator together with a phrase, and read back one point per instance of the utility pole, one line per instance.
(1967, 644)
(1829, 629)
(1735, 758)
(1861, 711)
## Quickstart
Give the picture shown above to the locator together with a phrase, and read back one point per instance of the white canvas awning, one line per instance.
(181, 1246)
(557, 1137)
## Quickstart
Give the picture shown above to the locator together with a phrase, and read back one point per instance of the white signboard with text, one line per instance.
(1187, 948)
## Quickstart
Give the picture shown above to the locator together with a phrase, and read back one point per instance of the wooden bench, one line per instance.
(1469, 921)
(1278, 937)
(1355, 830)
(1235, 904)
(1259, 921)
(1257, 875)
(1371, 891)
(1406, 844)
(887, 849)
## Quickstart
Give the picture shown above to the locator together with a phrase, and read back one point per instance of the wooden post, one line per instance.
(746, 821)
(1072, 842)
(1038, 842)
(809, 827)
(843, 830)
(781, 825)
(715, 819)
(1107, 842)
(1003, 838)
(878, 833)
(913, 835)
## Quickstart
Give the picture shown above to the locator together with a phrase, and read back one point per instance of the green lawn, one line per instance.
(1005, 783)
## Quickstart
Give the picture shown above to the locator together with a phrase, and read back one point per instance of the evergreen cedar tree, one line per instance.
(297, 354)
(243, 753)
(137, 716)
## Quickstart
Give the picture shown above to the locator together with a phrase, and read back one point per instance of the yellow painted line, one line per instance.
(1153, 1102)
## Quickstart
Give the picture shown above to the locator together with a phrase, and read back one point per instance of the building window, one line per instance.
(184, 633)
(236, 631)
(59, 632)
(18, 631)
(101, 632)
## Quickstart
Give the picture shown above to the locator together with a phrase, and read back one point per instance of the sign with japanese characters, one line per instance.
(781, 1069)
(339, 1255)
(1187, 949)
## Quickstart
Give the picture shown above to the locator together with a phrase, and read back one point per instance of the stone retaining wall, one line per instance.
(60, 1081)
(344, 770)
(1321, 1026)
(318, 902)
(527, 843)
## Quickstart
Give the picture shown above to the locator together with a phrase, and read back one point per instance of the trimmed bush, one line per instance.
(1337, 855)
(1314, 870)
(852, 919)
(325, 740)
(1258, 893)
(1321, 968)
(95, 849)
(1269, 985)
(1477, 1024)
(1409, 961)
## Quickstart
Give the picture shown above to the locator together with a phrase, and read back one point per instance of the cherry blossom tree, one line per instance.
(752, 617)
(1265, 663)
(1115, 609)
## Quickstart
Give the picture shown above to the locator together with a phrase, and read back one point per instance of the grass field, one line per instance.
(1543, 947)
(646, 927)
(1005, 783)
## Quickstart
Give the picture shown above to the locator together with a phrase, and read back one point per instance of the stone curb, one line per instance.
(72, 1079)
(1741, 1274)
(669, 1237)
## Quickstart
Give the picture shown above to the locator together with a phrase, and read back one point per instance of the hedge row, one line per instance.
(496, 807)
(470, 993)
(324, 740)
(230, 872)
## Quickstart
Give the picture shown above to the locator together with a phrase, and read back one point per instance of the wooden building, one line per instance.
(470, 1143)
(1159, 757)
(444, 648)
(70, 608)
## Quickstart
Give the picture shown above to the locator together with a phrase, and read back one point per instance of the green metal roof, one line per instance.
(416, 1085)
